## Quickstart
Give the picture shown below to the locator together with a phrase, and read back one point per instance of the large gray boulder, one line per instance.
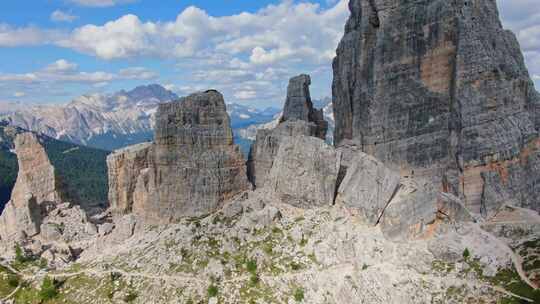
(411, 212)
(368, 187)
(439, 89)
(304, 172)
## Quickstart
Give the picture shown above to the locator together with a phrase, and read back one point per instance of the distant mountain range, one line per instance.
(114, 121)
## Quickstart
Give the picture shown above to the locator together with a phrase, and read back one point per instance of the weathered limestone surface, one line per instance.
(265, 148)
(411, 212)
(16, 223)
(192, 168)
(304, 172)
(125, 166)
(368, 187)
(438, 89)
(299, 118)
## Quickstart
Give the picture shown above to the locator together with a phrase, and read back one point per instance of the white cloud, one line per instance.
(24, 36)
(100, 3)
(244, 95)
(60, 16)
(61, 66)
(19, 94)
(138, 73)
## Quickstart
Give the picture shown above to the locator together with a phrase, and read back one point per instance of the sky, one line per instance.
(52, 51)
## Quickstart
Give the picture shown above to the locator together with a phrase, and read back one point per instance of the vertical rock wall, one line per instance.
(192, 168)
(439, 89)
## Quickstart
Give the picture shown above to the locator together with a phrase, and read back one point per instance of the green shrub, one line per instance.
(254, 280)
(49, 289)
(466, 254)
(251, 266)
(20, 256)
(299, 295)
(13, 281)
(212, 291)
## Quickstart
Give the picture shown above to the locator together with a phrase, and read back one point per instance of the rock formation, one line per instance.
(124, 167)
(298, 105)
(191, 168)
(36, 186)
(299, 119)
(368, 186)
(439, 90)
(36, 174)
(304, 172)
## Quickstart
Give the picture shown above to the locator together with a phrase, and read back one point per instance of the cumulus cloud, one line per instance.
(60, 16)
(61, 66)
(100, 3)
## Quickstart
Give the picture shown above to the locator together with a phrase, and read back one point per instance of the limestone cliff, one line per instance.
(439, 89)
(191, 168)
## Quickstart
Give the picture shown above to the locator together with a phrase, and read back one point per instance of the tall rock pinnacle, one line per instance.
(299, 118)
(299, 106)
(36, 185)
(439, 89)
(190, 170)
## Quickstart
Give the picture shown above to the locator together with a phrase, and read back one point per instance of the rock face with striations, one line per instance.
(36, 186)
(191, 168)
(439, 90)
(299, 118)
(125, 166)
(304, 172)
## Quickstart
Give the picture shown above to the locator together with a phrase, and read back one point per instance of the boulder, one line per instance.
(439, 90)
(451, 208)
(265, 148)
(411, 212)
(304, 172)
(368, 187)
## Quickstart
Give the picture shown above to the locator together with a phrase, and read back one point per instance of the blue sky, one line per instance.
(54, 50)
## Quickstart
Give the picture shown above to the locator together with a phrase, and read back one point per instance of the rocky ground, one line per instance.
(254, 251)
